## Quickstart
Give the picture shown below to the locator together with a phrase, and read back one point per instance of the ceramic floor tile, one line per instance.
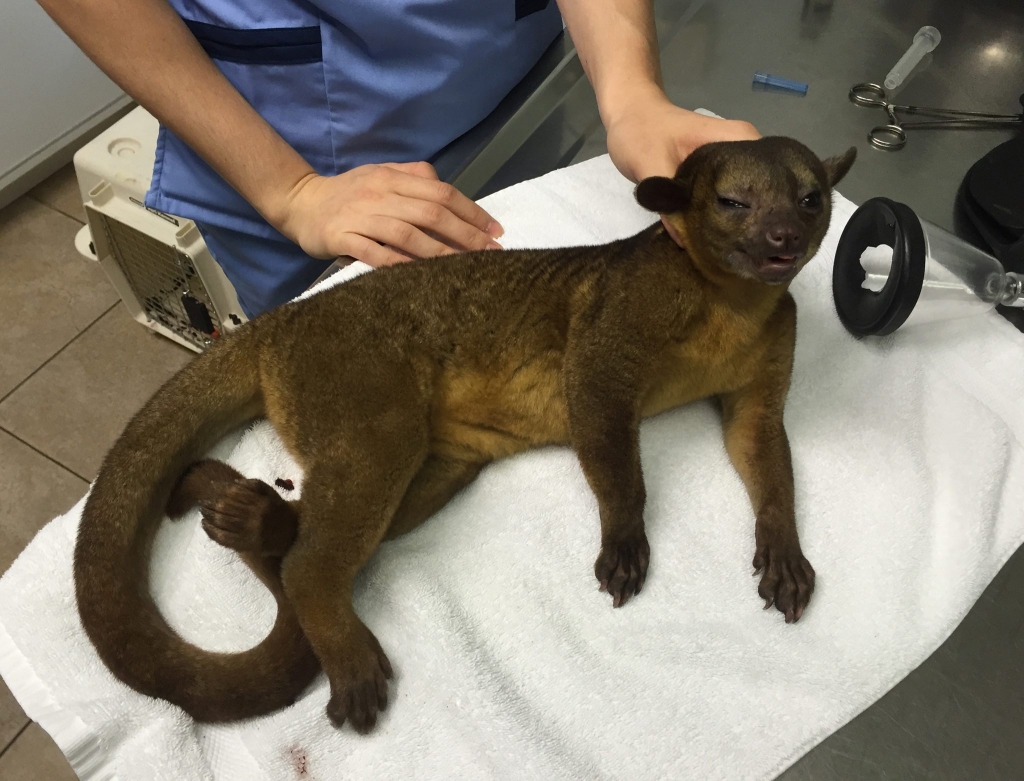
(74, 407)
(61, 192)
(12, 717)
(35, 757)
(49, 292)
(33, 491)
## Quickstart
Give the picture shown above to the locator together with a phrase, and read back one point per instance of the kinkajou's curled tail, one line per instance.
(217, 392)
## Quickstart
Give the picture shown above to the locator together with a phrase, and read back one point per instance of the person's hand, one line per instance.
(385, 214)
(651, 136)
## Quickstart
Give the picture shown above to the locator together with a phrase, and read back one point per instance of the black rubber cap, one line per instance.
(864, 312)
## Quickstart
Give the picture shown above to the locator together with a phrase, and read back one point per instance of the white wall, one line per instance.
(52, 98)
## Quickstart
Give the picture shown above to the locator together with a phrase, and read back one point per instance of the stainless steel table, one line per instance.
(961, 714)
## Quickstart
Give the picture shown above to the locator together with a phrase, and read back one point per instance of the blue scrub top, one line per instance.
(350, 82)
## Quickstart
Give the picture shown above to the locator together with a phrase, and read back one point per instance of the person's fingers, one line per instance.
(369, 251)
(402, 236)
(406, 257)
(425, 189)
(438, 222)
(385, 214)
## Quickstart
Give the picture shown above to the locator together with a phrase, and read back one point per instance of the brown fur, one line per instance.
(394, 390)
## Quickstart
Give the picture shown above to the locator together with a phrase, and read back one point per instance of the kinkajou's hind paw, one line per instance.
(363, 693)
(249, 515)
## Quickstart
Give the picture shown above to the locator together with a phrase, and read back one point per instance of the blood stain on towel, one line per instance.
(299, 761)
(287, 485)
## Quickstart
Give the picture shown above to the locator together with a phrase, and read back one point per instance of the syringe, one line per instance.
(927, 38)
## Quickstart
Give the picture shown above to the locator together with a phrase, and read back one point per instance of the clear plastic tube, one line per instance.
(926, 40)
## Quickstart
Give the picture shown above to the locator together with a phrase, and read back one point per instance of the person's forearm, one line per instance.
(146, 49)
(618, 47)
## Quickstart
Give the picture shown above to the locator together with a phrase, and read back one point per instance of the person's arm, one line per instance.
(618, 47)
(146, 49)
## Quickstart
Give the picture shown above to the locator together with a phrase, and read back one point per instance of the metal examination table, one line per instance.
(960, 715)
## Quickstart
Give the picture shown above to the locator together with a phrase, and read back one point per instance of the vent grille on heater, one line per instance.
(163, 278)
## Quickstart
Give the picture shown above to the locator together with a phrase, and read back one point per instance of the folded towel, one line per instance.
(510, 664)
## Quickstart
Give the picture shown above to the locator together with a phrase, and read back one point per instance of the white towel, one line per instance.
(510, 664)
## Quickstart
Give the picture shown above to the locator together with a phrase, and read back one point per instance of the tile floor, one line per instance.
(73, 368)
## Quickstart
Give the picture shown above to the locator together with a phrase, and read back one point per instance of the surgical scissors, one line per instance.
(894, 134)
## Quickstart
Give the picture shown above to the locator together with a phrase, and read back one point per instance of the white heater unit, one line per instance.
(157, 262)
